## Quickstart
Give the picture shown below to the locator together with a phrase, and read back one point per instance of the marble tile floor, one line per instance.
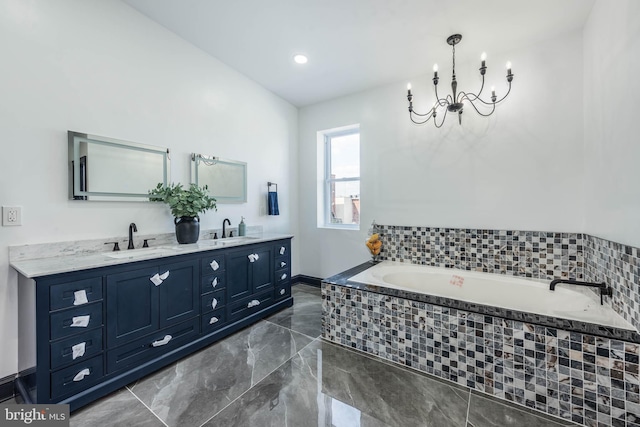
(279, 372)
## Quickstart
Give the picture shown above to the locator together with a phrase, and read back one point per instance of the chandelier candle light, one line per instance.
(454, 103)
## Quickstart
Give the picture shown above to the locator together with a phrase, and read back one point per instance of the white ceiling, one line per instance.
(354, 45)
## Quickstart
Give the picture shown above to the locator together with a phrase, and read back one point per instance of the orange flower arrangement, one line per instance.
(374, 244)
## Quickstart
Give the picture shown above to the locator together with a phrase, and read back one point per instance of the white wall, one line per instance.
(520, 169)
(102, 68)
(612, 151)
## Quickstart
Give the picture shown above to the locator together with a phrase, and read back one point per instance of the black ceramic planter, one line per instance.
(187, 229)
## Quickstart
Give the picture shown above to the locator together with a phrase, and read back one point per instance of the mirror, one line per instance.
(103, 168)
(227, 179)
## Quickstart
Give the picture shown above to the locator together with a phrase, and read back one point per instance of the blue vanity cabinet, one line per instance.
(99, 329)
(69, 335)
(136, 306)
(213, 292)
(150, 311)
(282, 265)
(249, 271)
(250, 280)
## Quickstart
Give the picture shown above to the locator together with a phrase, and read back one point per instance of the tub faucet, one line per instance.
(604, 289)
(132, 229)
(224, 228)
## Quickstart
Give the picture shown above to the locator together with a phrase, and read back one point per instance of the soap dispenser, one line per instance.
(242, 229)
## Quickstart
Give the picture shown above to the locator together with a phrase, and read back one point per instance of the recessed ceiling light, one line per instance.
(300, 58)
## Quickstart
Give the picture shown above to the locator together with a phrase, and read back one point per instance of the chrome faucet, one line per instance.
(224, 228)
(132, 229)
(604, 289)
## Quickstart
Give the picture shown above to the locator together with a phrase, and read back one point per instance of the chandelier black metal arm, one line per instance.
(456, 101)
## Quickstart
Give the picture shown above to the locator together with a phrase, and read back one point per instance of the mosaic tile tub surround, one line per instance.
(580, 377)
(533, 254)
(577, 375)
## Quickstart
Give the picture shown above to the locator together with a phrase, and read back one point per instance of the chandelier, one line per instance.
(455, 102)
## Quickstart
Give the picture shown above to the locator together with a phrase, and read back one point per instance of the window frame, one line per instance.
(328, 136)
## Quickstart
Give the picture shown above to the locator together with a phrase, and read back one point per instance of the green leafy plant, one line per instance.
(189, 202)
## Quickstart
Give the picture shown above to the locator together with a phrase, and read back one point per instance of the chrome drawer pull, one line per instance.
(155, 279)
(163, 341)
(251, 257)
(282, 249)
(215, 282)
(80, 321)
(284, 276)
(213, 320)
(282, 291)
(214, 265)
(253, 303)
(214, 303)
(283, 264)
(80, 375)
(256, 256)
(78, 350)
(80, 297)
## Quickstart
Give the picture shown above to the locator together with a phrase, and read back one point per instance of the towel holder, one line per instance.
(270, 184)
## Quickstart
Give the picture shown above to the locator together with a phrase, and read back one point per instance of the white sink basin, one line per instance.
(236, 239)
(140, 253)
(226, 241)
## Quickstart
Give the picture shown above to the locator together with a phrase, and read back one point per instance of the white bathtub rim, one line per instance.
(598, 315)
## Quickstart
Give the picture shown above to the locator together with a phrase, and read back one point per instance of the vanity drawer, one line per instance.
(282, 291)
(212, 264)
(213, 320)
(73, 379)
(60, 322)
(213, 282)
(62, 351)
(208, 301)
(152, 345)
(282, 263)
(250, 305)
(64, 295)
(282, 249)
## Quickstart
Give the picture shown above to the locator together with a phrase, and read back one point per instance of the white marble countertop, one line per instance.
(38, 267)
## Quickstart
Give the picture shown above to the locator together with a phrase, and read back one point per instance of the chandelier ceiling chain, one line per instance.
(456, 101)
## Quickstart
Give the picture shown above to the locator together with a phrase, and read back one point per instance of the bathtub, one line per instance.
(511, 293)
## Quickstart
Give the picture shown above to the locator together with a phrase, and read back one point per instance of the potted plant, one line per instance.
(185, 206)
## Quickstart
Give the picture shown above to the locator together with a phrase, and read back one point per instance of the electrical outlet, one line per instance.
(11, 215)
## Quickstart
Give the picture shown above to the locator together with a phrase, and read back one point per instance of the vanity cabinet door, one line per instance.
(142, 301)
(238, 269)
(179, 292)
(262, 269)
(132, 305)
(249, 270)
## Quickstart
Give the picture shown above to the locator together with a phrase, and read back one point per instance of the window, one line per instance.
(341, 202)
